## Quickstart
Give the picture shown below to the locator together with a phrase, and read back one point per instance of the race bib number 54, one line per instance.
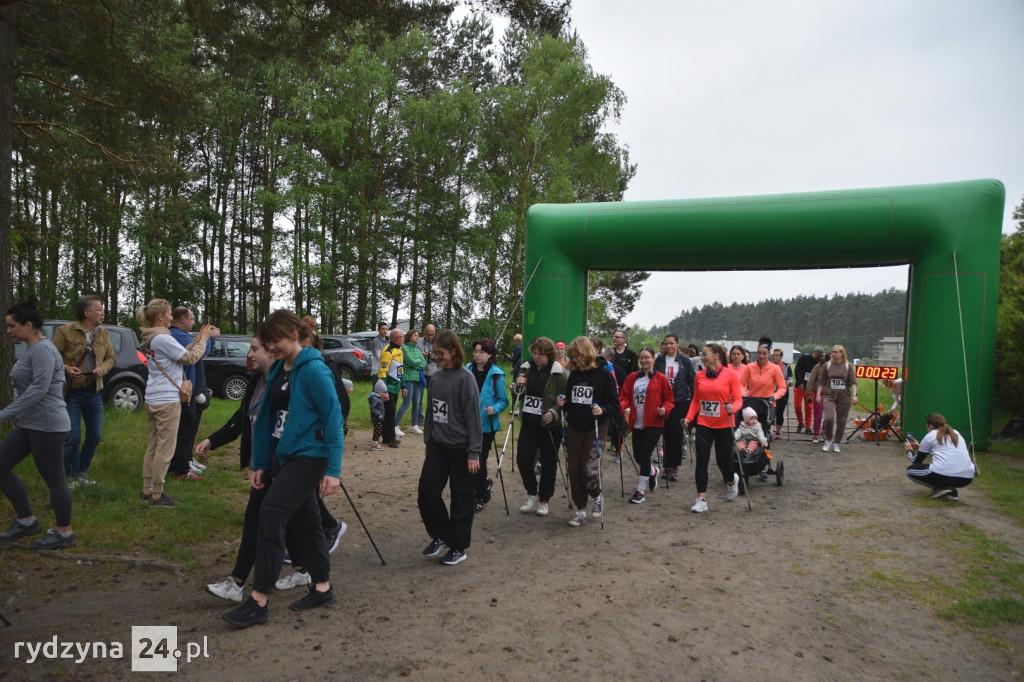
(440, 411)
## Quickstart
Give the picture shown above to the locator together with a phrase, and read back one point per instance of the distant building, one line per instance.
(889, 350)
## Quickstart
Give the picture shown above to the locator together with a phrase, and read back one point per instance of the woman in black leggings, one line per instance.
(43, 424)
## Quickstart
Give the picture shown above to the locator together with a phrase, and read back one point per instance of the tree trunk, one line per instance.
(8, 32)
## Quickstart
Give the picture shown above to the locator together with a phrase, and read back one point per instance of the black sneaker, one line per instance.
(953, 494)
(435, 548)
(249, 613)
(20, 530)
(333, 536)
(652, 483)
(478, 506)
(164, 501)
(313, 599)
(637, 498)
(941, 492)
(54, 540)
(394, 444)
(486, 497)
(454, 556)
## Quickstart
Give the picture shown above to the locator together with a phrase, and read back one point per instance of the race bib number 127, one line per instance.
(710, 408)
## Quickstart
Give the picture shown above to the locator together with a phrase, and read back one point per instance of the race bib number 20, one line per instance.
(531, 404)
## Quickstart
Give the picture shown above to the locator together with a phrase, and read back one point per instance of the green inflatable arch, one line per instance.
(948, 233)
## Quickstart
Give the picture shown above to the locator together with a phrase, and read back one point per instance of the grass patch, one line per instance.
(984, 614)
(1002, 484)
(109, 518)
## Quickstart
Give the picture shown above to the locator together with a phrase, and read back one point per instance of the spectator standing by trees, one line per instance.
(88, 355)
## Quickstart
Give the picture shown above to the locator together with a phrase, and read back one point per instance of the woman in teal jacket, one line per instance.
(490, 379)
(298, 436)
(414, 363)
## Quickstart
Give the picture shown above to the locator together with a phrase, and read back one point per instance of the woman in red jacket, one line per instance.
(646, 398)
(716, 397)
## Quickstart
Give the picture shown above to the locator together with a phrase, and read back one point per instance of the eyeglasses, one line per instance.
(704, 354)
(618, 336)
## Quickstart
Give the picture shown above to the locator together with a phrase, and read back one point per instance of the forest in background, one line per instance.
(343, 159)
(856, 321)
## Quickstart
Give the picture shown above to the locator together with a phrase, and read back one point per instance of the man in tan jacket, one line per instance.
(88, 355)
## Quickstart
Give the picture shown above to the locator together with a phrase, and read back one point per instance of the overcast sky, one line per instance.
(746, 97)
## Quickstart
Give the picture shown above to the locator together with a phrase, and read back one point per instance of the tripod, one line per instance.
(873, 418)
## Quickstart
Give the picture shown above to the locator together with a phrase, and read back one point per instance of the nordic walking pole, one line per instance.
(497, 460)
(600, 479)
(365, 529)
(511, 425)
(621, 437)
(743, 478)
(558, 458)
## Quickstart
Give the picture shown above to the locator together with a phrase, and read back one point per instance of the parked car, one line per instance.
(225, 365)
(350, 356)
(124, 387)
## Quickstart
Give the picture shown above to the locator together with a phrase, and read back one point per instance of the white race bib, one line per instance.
(710, 408)
(282, 419)
(639, 399)
(838, 384)
(807, 377)
(440, 411)
(531, 404)
(583, 395)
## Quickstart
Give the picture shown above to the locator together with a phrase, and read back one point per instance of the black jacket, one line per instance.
(682, 386)
(239, 425)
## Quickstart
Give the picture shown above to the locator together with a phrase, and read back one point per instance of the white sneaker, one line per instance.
(196, 467)
(530, 505)
(294, 579)
(827, 446)
(226, 589)
(835, 447)
(542, 509)
(598, 506)
(417, 430)
(398, 432)
(578, 519)
(731, 491)
(700, 506)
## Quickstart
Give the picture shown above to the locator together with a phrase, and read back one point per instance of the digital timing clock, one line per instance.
(876, 372)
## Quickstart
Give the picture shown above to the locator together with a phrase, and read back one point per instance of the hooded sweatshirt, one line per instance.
(312, 423)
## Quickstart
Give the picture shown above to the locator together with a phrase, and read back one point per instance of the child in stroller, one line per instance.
(752, 449)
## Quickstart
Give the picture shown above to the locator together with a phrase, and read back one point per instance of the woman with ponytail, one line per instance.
(42, 426)
(646, 400)
(951, 466)
(166, 361)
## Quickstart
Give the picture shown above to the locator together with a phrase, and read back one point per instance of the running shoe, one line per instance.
(226, 589)
(637, 497)
(733, 489)
(399, 432)
(700, 506)
(313, 599)
(54, 539)
(435, 548)
(249, 613)
(530, 505)
(293, 579)
(454, 556)
(578, 519)
(941, 492)
(652, 482)
(542, 509)
(598, 507)
(20, 530)
(334, 535)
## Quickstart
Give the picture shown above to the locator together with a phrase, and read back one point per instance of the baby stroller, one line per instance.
(765, 410)
(755, 460)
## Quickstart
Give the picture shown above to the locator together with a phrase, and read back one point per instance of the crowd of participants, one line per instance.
(292, 424)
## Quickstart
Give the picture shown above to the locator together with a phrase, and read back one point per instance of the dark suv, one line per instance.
(225, 365)
(124, 387)
(350, 356)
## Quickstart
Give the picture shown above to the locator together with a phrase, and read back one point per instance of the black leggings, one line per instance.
(47, 449)
(291, 503)
(530, 438)
(722, 438)
(481, 476)
(645, 441)
(922, 473)
(250, 532)
(674, 436)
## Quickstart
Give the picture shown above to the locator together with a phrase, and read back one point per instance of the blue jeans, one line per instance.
(414, 397)
(88, 405)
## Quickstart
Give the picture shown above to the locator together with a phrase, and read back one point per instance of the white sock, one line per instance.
(641, 485)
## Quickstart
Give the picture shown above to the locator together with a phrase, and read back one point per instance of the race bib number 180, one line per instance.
(583, 395)
(440, 411)
(710, 408)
